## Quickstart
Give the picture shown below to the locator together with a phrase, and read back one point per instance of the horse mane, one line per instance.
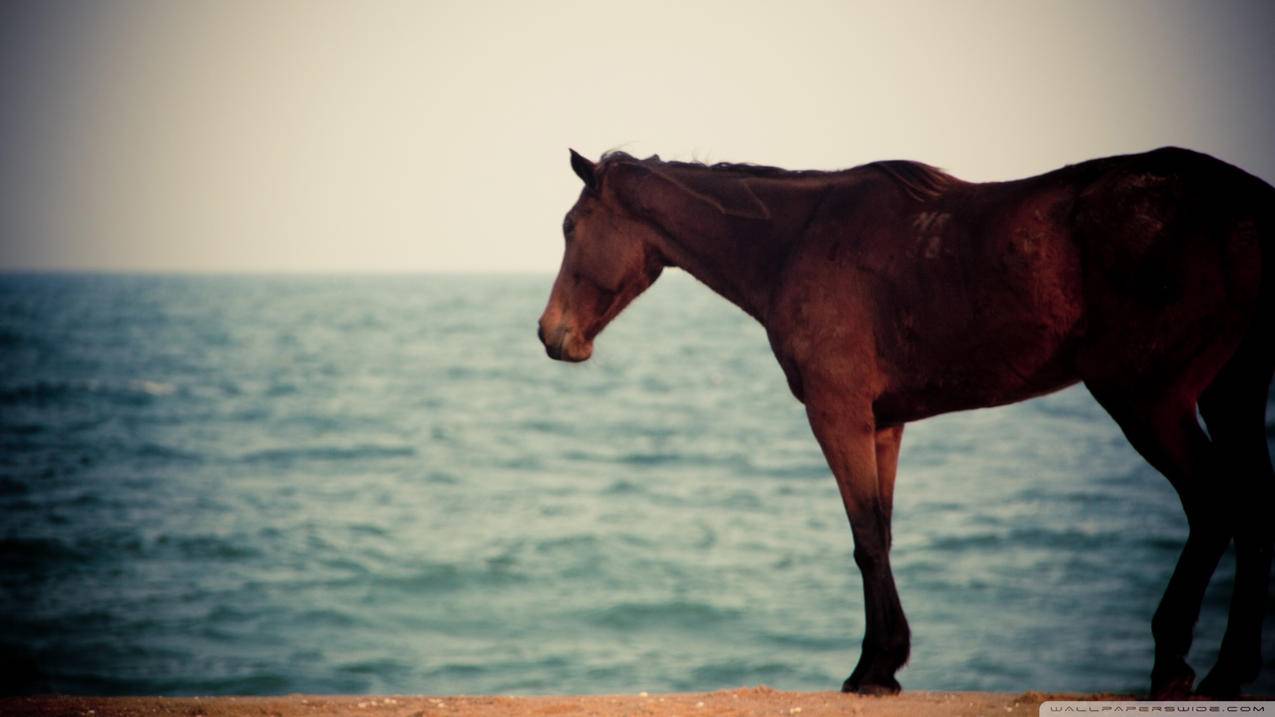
(744, 168)
(918, 180)
(921, 181)
(748, 169)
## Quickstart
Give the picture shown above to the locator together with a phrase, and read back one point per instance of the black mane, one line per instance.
(919, 180)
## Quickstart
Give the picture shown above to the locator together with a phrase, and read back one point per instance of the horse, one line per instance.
(894, 291)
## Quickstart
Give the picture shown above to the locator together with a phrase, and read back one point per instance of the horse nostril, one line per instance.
(540, 332)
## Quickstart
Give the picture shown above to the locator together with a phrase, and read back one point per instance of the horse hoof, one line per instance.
(1171, 679)
(1176, 688)
(879, 687)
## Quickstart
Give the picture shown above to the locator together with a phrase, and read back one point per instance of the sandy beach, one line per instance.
(744, 702)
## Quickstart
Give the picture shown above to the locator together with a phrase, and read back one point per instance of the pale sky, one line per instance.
(432, 136)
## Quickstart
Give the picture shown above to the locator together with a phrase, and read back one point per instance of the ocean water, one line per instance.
(218, 485)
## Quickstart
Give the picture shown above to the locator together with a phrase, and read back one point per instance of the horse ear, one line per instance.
(584, 169)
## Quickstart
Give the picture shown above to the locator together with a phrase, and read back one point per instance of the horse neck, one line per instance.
(737, 258)
(736, 275)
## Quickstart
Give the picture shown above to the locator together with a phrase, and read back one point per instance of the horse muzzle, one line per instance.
(562, 344)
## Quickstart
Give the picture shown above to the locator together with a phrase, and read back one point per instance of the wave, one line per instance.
(1063, 538)
(206, 547)
(136, 392)
(328, 453)
(673, 614)
(42, 551)
(10, 339)
(49, 552)
(439, 577)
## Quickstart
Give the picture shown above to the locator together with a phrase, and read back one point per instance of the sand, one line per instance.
(738, 702)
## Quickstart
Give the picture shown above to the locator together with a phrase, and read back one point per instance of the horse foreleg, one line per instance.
(854, 450)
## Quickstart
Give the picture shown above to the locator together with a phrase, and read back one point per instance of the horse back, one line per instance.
(992, 293)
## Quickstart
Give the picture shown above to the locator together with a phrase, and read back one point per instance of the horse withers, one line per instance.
(893, 291)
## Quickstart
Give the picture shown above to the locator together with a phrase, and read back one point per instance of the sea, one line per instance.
(216, 485)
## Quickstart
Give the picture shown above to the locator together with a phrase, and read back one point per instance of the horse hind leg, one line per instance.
(1234, 409)
(1162, 427)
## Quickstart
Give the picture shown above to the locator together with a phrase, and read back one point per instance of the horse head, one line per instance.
(609, 259)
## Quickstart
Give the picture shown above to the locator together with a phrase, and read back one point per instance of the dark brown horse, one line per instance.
(892, 291)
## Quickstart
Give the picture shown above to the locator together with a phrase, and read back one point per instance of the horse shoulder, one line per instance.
(820, 319)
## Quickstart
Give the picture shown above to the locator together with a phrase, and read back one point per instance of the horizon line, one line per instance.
(141, 271)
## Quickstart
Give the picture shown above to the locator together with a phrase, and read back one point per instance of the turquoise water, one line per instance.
(220, 485)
